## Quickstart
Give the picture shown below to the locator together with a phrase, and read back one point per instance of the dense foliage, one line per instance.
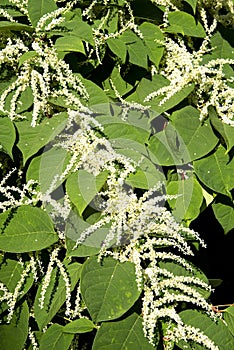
(116, 134)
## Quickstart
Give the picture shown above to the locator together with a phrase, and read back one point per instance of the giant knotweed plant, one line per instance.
(115, 119)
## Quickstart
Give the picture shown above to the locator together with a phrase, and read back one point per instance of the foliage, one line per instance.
(116, 134)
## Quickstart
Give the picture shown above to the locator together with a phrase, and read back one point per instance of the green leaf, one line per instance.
(220, 48)
(14, 335)
(31, 140)
(193, 4)
(5, 25)
(135, 48)
(115, 129)
(225, 130)
(27, 56)
(122, 335)
(80, 29)
(198, 138)
(116, 78)
(55, 295)
(83, 186)
(153, 39)
(118, 47)
(224, 213)
(98, 100)
(48, 167)
(229, 318)
(38, 8)
(26, 229)
(215, 171)
(217, 331)
(10, 274)
(187, 205)
(82, 325)
(164, 148)
(109, 288)
(55, 339)
(182, 22)
(24, 102)
(70, 43)
(7, 135)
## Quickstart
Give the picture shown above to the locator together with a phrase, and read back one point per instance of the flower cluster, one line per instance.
(183, 68)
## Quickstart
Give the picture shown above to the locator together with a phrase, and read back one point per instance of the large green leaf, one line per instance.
(55, 339)
(10, 274)
(224, 213)
(198, 138)
(215, 171)
(217, 331)
(126, 334)
(109, 289)
(187, 205)
(182, 22)
(38, 8)
(26, 229)
(14, 335)
(32, 139)
(7, 135)
(55, 295)
(83, 186)
(135, 47)
(153, 38)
